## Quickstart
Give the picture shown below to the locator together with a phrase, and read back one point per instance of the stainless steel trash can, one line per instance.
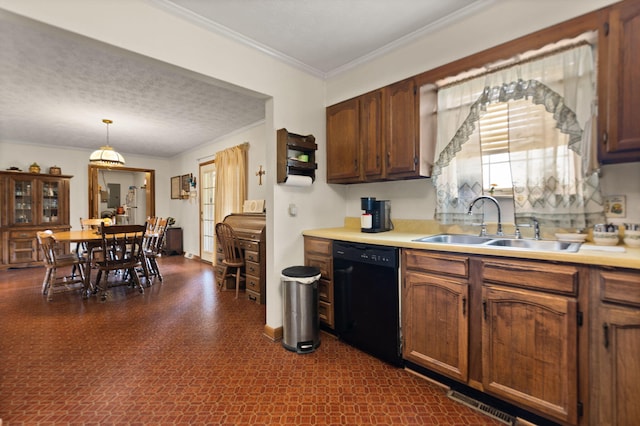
(301, 324)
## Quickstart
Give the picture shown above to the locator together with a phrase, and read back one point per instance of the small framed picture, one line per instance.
(615, 206)
(175, 188)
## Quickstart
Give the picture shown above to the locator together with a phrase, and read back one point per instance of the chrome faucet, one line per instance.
(536, 228)
(487, 197)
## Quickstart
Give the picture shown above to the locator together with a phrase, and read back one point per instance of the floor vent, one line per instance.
(484, 408)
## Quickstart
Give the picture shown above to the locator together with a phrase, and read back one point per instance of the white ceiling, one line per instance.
(56, 87)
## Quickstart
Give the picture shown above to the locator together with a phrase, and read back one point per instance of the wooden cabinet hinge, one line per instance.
(580, 319)
(580, 409)
(605, 137)
(605, 27)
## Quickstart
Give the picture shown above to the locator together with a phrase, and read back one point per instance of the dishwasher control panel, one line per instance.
(366, 253)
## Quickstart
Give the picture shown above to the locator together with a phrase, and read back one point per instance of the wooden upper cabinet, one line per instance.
(371, 135)
(619, 82)
(376, 137)
(401, 129)
(343, 142)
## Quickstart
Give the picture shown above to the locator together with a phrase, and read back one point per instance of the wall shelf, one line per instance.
(290, 147)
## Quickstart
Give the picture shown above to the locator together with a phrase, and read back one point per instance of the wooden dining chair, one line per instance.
(154, 241)
(233, 256)
(121, 252)
(55, 261)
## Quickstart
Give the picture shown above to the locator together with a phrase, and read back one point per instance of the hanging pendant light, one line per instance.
(106, 156)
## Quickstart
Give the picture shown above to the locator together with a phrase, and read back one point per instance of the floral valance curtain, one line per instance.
(231, 181)
(551, 158)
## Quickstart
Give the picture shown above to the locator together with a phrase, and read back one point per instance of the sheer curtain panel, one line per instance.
(551, 108)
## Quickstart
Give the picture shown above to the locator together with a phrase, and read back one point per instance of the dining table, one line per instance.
(90, 238)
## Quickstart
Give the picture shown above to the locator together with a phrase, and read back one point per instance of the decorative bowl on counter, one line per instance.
(632, 234)
(606, 234)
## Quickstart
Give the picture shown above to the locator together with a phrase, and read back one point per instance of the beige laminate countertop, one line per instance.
(406, 232)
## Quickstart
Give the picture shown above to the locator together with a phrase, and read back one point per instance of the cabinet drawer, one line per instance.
(253, 296)
(549, 277)
(318, 245)
(325, 291)
(14, 235)
(252, 256)
(250, 245)
(621, 288)
(253, 283)
(322, 262)
(252, 268)
(450, 265)
(325, 313)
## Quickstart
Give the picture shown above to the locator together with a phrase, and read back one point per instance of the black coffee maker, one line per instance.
(376, 216)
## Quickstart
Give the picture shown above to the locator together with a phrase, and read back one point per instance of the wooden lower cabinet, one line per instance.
(529, 350)
(507, 327)
(615, 388)
(318, 252)
(435, 314)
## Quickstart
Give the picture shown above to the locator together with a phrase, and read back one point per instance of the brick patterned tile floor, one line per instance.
(185, 353)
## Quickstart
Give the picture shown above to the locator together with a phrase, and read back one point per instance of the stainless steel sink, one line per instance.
(503, 243)
(454, 239)
(535, 245)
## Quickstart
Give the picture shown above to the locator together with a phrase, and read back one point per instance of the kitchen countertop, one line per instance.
(408, 230)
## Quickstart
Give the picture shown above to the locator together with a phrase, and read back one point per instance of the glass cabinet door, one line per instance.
(50, 201)
(23, 201)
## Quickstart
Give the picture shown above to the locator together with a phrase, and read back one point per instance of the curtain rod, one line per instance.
(588, 38)
(244, 145)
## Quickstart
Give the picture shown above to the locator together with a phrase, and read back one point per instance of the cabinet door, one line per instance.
(371, 135)
(529, 350)
(619, 387)
(401, 129)
(620, 85)
(343, 143)
(22, 247)
(22, 201)
(435, 324)
(52, 201)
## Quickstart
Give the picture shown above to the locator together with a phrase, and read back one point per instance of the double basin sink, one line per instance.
(502, 242)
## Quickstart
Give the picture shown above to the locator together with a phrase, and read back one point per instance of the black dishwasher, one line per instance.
(367, 306)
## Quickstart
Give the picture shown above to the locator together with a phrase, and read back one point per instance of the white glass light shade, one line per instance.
(106, 156)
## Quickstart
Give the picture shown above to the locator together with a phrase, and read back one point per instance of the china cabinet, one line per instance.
(31, 202)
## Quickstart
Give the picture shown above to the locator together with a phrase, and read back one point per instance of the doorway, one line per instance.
(207, 209)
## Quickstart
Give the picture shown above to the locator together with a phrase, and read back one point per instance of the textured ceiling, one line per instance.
(56, 87)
